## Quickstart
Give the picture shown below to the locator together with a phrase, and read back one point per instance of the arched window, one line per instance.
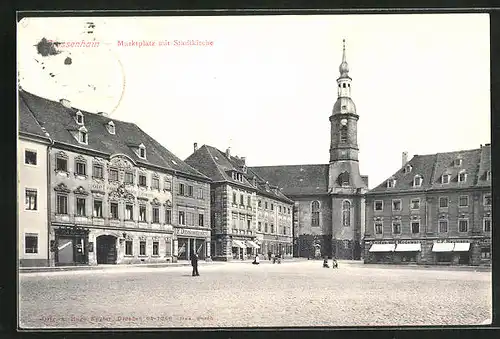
(315, 213)
(343, 85)
(343, 179)
(343, 134)
(346, 213)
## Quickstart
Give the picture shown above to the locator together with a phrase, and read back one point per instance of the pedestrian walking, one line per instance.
(194, 263)
(325, 263)
(269, 255)
(256, 260)
(335, 264)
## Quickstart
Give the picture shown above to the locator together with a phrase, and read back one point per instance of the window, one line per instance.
(212, 197)
(445, 178)
(62, 204)
(457, 162)
(272, 207)
(259, 226)
(462, 176)
(396, 205)
(83, 137)
(417, 181)
(288, 210)
(485, 253)
(415, 204)
(315, 213)
(487, 200)
(200, 193)
(182, 220)
(30, 157)
(113, 175)
(168, 185)
(142, 213)
(156, 215)
(343, 134)
(168, 216)
(200, 219)
(80, 206)
(407, 169)
(390, 183)
(488, 175)
(189, 218)
(129, 212)
(114, 210)
(346, 213)
(181, 189)
(463, 225)
(443, 202)
(31, 243)
(280, 209)
(142, 180)
(30, 199)
(343, 179)
(241, 200)
(234, 198)
(97, 171)
(156, 245)
(378, 227)
(111, 127)
(487, 225)
(79, 118)
(129, 247)
(81, 168)
(443, 226)
(155, 183)
(272, 228)
(249, 201)
(415, 227)
(61, 164)
(142, 248)
(265, 205)
(249, 224)
(98, 208)
(129, 178)
(378, 205)
(265, 227)
(396, 227)
(142, 151)
(259, 203)
(190, 191)
(463, 201)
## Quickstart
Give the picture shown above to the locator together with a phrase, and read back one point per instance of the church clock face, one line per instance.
(343, 122)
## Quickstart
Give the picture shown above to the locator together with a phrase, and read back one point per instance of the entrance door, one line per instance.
(463, 259)
(182, 249)
(106, 249)
(65, 254)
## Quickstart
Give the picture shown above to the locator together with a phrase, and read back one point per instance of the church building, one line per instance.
(329, 198)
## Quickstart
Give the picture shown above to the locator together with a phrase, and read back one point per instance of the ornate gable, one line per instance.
(61, 187)
(121, 163)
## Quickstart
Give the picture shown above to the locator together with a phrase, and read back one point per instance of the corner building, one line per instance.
(329, 198)
(436, 209)
(114, 194)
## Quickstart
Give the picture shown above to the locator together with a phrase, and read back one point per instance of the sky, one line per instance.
(267, 85)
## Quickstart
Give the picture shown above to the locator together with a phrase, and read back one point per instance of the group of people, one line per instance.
(335, 264)
(275, 258)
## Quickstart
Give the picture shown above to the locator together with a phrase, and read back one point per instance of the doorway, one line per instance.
(463, 259)
(106, 249)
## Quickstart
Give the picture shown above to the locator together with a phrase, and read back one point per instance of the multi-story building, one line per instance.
(33, 231)
(115, 195)
(435, 209)
(329, 197)
(248, 215)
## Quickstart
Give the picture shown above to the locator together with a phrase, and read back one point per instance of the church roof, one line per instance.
(296, 179)
(59, 120)
(474, 163)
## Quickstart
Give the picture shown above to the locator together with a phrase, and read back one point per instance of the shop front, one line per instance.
(452, 253)
(71, 246)
(192, 240)
(381, 253)
(407, 253)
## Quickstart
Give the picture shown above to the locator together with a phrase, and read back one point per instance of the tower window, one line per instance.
(348, 85)
(343, 85)
(343, 134)
(315, 213)
(340, 86)
(346, 213)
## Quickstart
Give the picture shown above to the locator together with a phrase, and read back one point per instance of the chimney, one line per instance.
(195, 146)
(102, 114)
(244, 160)
(65, 102)
(228, 152)
(404, 158)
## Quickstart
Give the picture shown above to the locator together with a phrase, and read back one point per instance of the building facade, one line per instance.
(330, 202)
(32, 148)
(435, 210)
(115, 195)
(247, 216)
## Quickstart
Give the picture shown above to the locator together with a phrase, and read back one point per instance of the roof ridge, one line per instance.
(290, 165)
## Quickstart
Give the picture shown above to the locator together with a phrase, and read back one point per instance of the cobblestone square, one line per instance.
(243, 295)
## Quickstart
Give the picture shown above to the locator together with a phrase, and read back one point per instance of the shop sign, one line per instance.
(97, 186)
(72, 231)
(192, 233)
(408, 242)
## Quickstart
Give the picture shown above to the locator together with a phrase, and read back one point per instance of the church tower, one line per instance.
(345, 185)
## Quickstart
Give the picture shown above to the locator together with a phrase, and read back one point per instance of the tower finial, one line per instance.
(344, 67)
(343, 50)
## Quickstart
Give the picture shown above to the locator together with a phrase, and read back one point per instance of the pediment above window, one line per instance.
(80, 190)
(61, 187)
(80, 158)
(62, 155)
(121, 162)
(155, 202)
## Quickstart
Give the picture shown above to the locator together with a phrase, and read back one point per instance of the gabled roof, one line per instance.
(58, 120)
(274, 192)
(27, 122)
(215, 164)
(296, 179)
(431, 167)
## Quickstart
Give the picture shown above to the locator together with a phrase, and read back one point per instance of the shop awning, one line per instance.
(252, 244)
(382, 248)
(238, 243)
(408, 248)
(461, 247)
(442, 247)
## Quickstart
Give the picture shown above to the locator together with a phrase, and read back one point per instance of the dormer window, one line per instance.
(417, 181)
(391, 183)
(457, 162)
(79, 118)
(142, 151)
(82, 135)
(407, 169)
(462, 176)
(111, 127)
(445, 178)
(488, 175)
